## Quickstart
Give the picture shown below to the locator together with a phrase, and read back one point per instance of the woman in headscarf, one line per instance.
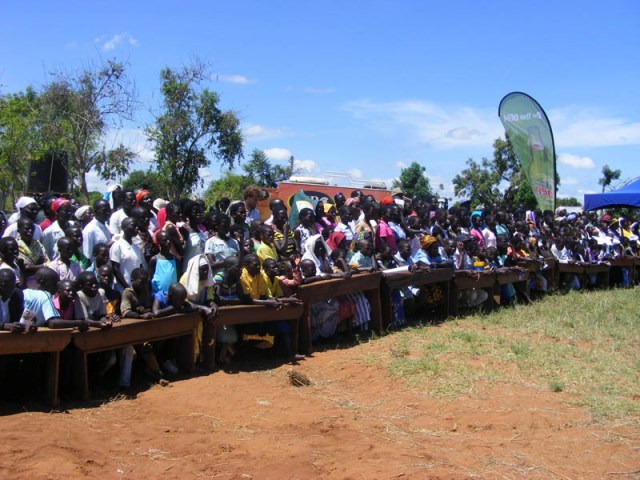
(198, 280)
(55, 231)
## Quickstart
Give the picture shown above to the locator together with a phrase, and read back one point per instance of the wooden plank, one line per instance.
(44, 340)
(419, 277)
(575, 268)
(474, 279)
(132, 331)
(511, 275)
(326, 289)
(243, 314)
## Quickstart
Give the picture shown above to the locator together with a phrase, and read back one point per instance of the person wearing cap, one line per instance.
(26, 207)
(55, 231)
(84, 215)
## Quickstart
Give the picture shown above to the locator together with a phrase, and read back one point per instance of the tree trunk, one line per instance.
(82, 184)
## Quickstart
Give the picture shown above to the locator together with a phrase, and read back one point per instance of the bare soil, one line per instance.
(353, 421)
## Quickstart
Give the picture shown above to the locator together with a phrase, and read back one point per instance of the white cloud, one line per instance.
(278, 154)
(583, 127)
(305, 165)
(428, 123)
(355, 173)
(575, 161)
(401, 165)
(234, 79)
(116, 40)
(260, 132)
(569, 181)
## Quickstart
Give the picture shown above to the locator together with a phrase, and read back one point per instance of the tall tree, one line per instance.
(608, 176)
(477, 183)
(413, 182)
(76, 111)
(260, 171)
(150, 180)
(230, 185)
(19, 141)
(191, 128)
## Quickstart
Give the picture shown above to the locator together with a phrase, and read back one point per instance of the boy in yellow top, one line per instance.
(267, 248)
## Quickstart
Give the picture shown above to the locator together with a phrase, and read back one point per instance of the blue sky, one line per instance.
(364, 87)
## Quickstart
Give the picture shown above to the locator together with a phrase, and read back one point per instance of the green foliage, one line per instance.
(150, 180)
(191, 128)
(413, 182)
(231, 185)
(477, 183)
(480, 182)
(608, 176)
(76, 111)
(567, 202)
(261, 172)
(19, 140)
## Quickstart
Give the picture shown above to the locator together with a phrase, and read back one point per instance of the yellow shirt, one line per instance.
(255, 287)
(267, 251)
(274, 288)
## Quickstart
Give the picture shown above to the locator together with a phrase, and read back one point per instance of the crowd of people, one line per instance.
(130, 255)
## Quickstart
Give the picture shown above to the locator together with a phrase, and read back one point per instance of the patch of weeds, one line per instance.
(556, 386)
(519, 349)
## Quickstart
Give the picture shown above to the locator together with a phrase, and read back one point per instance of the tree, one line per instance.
(261, 172)
(413, 182)
(608, 176)
(19, 141)
(568, 202)
(477, 183)
(191, 128)
(230, 185)
(77, 110)
(480, 182)
(150, 180)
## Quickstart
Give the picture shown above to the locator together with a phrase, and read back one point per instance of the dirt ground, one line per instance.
(354, 421)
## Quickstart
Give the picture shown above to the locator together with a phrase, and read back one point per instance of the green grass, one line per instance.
(584, 344)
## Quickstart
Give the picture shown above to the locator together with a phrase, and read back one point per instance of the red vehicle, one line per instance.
(317, 189)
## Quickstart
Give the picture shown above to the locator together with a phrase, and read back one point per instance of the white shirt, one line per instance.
(12, 231)
(128, 256)
(95, 232)
(50, 239)
(116, 220)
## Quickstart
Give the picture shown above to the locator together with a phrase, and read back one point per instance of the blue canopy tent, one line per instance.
(627, 196)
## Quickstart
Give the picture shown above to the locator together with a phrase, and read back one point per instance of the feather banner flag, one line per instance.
(529, 132)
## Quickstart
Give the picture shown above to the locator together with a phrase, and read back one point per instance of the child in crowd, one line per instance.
(267, 248)
(64, 300)
(100, 257)
(75, 233)
(66, 268)
(228, 292)
(111, 296)
(162, 266)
